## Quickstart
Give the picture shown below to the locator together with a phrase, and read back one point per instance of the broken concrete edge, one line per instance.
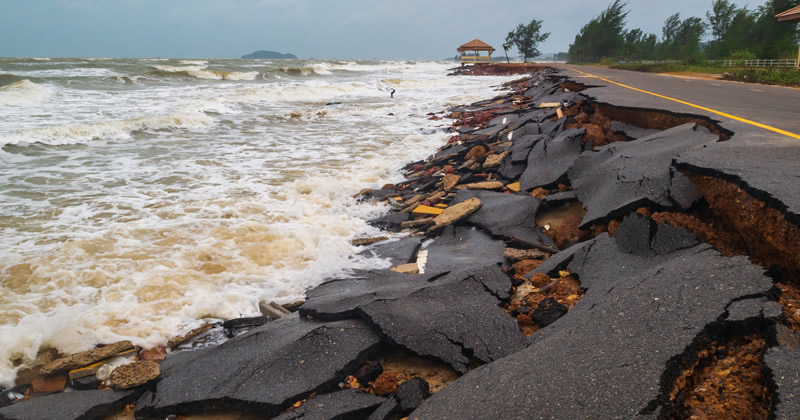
(145, 404)
(715, 126)
(676, 365)
(756, 193)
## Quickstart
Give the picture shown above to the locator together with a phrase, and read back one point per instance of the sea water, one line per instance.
(140, 197)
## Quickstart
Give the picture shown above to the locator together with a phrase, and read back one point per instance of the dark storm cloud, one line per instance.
(410, 29)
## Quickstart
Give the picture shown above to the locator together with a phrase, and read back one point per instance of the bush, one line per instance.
(774, 76)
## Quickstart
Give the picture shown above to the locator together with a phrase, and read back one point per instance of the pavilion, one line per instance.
(475, 45)
(788, 16)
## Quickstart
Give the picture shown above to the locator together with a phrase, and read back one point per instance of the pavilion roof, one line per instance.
(475, 45)
(791, 14)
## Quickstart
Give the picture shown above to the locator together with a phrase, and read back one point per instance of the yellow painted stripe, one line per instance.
(733, 117)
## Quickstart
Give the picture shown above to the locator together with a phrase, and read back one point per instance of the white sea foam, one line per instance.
(66, 73)
(109, 130)
(220, 200)
(202, 72)
(23, 92)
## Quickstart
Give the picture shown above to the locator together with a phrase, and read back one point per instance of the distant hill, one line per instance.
(271, 55)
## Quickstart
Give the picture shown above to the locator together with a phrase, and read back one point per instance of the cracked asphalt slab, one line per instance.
(263, 370)
(608, 356)
(617, 178)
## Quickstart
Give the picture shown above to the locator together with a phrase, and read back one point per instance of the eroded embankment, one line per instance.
(555, 242)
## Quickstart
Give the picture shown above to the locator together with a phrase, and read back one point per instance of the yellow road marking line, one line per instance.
(733, 117)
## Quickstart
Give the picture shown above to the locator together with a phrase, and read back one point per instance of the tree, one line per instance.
(721, 19)
(527, 38)
(670, 29)
(602, 37)
(507, 46)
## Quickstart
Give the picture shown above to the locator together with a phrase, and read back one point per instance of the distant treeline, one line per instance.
(726, 32)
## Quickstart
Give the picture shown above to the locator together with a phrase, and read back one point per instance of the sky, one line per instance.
(343, 29)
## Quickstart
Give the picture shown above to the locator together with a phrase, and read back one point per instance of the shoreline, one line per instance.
(547, 222)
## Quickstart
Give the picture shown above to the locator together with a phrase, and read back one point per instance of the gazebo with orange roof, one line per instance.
(475, 45)
(788, 16)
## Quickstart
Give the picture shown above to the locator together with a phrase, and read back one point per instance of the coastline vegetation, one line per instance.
(690, 45)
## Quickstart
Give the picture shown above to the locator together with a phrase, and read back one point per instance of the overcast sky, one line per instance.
(382, 29)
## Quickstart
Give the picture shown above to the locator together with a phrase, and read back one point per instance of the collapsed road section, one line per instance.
(560, 257)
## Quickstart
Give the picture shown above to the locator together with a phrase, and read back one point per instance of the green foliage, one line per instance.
(731, 30)
(742, 55)
(720, 17)
(773, 76)
(527, 38)
(603, 36)
(682, 38)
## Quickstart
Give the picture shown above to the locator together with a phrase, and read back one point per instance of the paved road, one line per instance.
(775, 106)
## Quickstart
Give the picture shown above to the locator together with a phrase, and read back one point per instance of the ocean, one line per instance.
(140, 198)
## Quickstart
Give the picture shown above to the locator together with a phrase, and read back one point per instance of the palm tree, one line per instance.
(506, 47)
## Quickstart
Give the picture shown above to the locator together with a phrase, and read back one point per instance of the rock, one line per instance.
(134, 374)
(494, 160)
(550, 159)
(515, 255)
(450, 181)
(236, 326)
(86, 358)
(264, 370)
(548, 312)
(634, 328)
(455, 213)
(410, 268)
(784, 365)
(488, 185)
(412, 392)
(368, 373)
(457, 248)
(347, 404)
(96, 404)
(506, 215)
(618, 178)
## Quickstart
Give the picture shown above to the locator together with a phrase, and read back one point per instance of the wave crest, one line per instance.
(121, 129)
(202, 72)
(23, 92)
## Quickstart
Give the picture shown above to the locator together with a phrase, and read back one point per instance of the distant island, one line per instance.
(271, 55)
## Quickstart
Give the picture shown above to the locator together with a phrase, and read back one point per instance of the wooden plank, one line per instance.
(427, 210)
(515, 186)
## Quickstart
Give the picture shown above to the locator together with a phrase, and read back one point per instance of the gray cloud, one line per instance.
(411, 29)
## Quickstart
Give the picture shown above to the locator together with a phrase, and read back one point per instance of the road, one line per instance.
(774, 106)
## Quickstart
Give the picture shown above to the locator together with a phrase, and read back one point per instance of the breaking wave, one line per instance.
(23, 92)
(122, 129)
(202, 72)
